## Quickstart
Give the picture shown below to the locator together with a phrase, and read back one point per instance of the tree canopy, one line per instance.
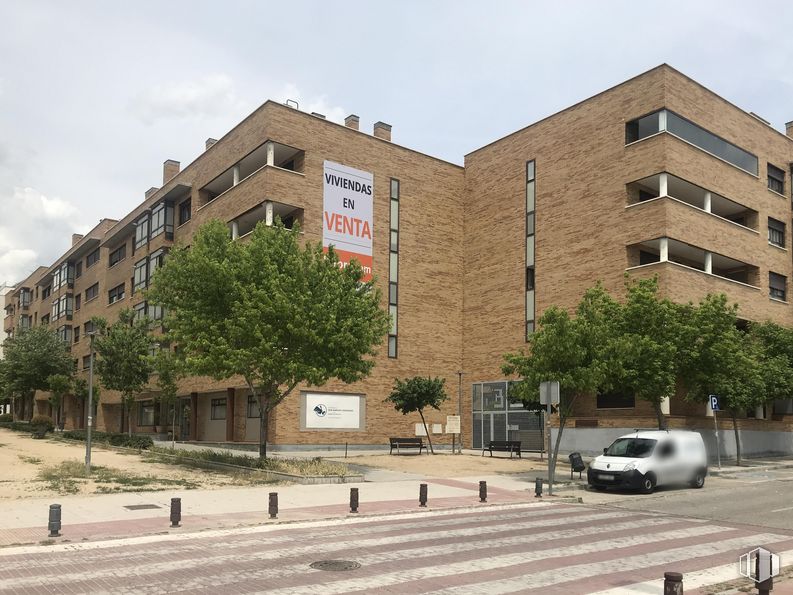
(416, 394)
(269, 311)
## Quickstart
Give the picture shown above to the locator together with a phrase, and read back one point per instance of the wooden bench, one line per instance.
(510, 446)
(408, 443)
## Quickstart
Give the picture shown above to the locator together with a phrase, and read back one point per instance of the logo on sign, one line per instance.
(759, 564)
(714, 402)
(320, 410)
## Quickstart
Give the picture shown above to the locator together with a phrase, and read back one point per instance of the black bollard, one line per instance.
(353, 499)
(176, 511)
(673, 583)
(538, 487)
(273, 508)
(483, 491)
(55, 520)
(423, 495)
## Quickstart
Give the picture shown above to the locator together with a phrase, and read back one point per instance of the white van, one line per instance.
(646, 459)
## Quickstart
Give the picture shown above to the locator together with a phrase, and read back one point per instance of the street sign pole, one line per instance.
(550, 464)
(714, 405)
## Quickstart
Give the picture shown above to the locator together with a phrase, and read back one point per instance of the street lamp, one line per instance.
(91, 334)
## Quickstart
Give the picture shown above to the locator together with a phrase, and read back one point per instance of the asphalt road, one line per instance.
(762, 498)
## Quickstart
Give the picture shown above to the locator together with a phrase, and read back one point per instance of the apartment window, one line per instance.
(78, 270)
(253, 406)
(25, 297)
(86, 362)
(777, 286)
(667, 121)
(92, 259)
(162, 220)
(63, 306)
(139, 310)
(65, 334)
(185, 211)
(615, 400)
(46, 292)
(393, 268)
(77, 301)
(146, 413)
(218, 409)
(92, 292)
(141, 231)
(156, 260)
(63, 275)
(115, 294)
(776, 179)
(155, 312)
(140, 279)
(88, 327)
(118, 255)
(776, 232)
(45, 319)
(530, 244)
(76, 332)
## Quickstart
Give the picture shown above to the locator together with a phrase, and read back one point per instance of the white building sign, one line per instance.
(347, 222)
(328, 411)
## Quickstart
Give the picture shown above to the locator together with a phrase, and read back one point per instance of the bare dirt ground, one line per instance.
(39, 468)
(459, 465)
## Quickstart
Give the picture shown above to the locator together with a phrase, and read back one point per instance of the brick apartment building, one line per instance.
(656, 176)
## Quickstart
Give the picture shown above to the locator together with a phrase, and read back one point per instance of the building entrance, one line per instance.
(496, 417)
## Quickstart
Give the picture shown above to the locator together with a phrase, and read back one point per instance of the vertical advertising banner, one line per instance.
(347, 218)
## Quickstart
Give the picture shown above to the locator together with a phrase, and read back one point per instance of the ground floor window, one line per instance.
(497, 415)
(218, 409)
(146, 413)
(615, 400)
(253, 406)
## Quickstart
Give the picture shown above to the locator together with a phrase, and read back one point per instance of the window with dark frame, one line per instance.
(78, 269)
(92, 292)
(139, 310)
(776, 179)
(218, 411)
(140, 277)
(777, 286)
(776, 232)
(141, 231)
(116, 294)
(118, 255)
(92, 259)
(145, 413)
(530, 244)
(185, 211)
(253, 407)
(393, 268)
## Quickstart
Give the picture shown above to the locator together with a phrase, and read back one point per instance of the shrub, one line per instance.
(42, 421)
(6, 417)
(114, 439)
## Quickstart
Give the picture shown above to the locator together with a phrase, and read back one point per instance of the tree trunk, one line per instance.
(660, 416)
(737, 436)
(129, 419)
(173, 426)
(14, 409)
(264, 417)
(429, 438)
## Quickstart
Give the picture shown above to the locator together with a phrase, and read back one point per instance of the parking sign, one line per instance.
(714, 402)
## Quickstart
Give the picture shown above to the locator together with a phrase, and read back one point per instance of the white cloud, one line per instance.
(36, 232)
(317, 104)
(211, 95)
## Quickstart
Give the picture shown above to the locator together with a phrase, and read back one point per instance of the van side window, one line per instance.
(666, 450)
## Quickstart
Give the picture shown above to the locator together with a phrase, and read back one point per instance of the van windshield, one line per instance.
(639, 448)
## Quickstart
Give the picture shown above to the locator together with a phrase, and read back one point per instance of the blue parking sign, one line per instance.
(714, 402)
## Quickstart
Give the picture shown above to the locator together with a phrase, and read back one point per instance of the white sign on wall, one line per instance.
(347, 222)
(329, 411)
(452, 424)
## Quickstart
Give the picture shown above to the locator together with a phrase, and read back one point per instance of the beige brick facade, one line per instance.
(462, 251)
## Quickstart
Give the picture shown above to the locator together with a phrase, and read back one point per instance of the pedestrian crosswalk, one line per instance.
(547, 547)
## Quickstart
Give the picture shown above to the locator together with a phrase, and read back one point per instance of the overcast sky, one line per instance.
(94, 96)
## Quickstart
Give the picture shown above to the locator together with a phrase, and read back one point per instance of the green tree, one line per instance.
(645, 344)
(59, 386)
(123, 362)
(416, 394)
(169, 369)
(776, 357)
(31, 357)
(574, 351)
(269, 311)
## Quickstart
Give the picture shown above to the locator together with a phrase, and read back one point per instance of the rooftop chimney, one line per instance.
(789, 129)
(352, 121)
(210, 142)
(382, 130)
(169, 169)
(76, 237)
(151, 191)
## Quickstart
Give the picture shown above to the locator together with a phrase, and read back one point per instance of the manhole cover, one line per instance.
(141, 506)
(335, 565)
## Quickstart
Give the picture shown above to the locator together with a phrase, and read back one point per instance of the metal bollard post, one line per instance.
(538, 487)
(273, 507)
(673, 583)
(765, 587)
(423, 495)
(55, 520)
(483, 491)
(176, 511)
(353, 499)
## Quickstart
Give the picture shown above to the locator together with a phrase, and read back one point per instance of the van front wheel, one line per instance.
(698, 480)
(648, 484)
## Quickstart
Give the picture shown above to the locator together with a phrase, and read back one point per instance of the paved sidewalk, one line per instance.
(99, 517)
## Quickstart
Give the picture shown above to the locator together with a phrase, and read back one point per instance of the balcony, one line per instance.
(8, 323)
(267, 212)
(664, 185)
